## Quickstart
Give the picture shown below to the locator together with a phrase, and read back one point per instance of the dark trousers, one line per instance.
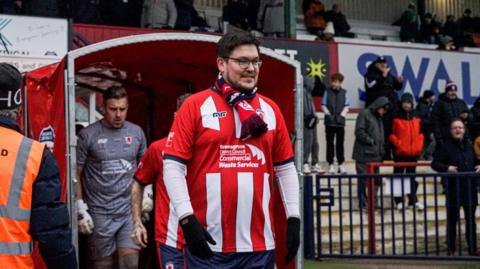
(362, 184)
(453, 215)
(335, 146)
(412, 197)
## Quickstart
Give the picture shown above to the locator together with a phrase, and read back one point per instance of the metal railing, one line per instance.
(336, 226)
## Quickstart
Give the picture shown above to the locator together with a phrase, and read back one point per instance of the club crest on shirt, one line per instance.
(169, 266)
(128, 139)
(260, 113)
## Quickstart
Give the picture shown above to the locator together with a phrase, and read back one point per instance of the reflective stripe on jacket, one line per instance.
(20, 161)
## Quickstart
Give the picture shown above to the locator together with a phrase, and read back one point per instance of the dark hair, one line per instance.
(337, 76)
(456, 119)
(232, 40)
(114, 92)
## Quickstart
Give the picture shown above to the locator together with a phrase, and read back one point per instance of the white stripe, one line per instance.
(244, 212)
(267, 230)
(238, 123)
(207, 109)
(214, 209)
(270, 118)
(172, 227)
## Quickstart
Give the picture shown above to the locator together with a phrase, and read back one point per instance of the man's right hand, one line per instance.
(85, 221)
(197, 237)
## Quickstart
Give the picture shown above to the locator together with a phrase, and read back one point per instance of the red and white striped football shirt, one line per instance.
(230, 181)
(150, 171)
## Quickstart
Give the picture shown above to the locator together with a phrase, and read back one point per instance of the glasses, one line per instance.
(245, 63)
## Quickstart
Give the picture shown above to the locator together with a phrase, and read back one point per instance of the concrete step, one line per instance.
(430, 246)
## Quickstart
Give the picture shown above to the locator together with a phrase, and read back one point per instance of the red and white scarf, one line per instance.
(252, 123)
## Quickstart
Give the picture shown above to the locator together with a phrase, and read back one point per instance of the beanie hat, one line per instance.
(450, 86)
(427, 94)
(10, 81)
(407, 97)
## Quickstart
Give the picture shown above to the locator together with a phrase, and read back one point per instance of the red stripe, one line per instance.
(333, 57)
(162, 202)
(258, 218)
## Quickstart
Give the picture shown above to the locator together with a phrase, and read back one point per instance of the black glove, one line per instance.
(293, 238)
(197, 237)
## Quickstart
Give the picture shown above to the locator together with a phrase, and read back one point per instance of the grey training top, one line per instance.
(109, 158)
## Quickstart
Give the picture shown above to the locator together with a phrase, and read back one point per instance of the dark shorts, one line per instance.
(244, 260)
(170, 257)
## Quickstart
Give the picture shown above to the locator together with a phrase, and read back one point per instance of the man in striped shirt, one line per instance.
(220, 157)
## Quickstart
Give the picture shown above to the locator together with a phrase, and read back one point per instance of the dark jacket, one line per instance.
(406, 135)
(49, 220)
(335, 101)
(444, 111)
(369, 134)
(475, 125)
(376, 85)
(460, 190)
(424, 112)
(236, 13)
(339, 21)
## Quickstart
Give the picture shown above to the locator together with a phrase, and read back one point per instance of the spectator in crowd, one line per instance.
(466, 22)
(339, 21)
(456, 155)
(31, 205)
(327, 34)
(168, 238)
(409, 22)
(429, 30)
(424, 111)
(202, 168)
(9, 6)
(42, 8)
(185, 12)
(310, 139)
(407, 140)
(369, 143)
(448, 107)
(107, 154)
(451, 28)
(380, 82)
(252, 11)
(159, 14)
(271, 18)
(314, 16)
(236, 14)
(114, 12)
(85, 11)
(335, 105)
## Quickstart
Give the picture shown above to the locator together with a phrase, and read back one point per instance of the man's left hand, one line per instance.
(400, 78)
(293, 238)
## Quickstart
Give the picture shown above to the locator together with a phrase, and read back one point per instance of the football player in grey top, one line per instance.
(107, 155)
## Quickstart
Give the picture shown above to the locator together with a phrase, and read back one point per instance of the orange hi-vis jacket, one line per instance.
(406, 137)
(20, 161)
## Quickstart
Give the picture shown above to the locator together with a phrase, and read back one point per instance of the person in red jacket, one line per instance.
(407, 140)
